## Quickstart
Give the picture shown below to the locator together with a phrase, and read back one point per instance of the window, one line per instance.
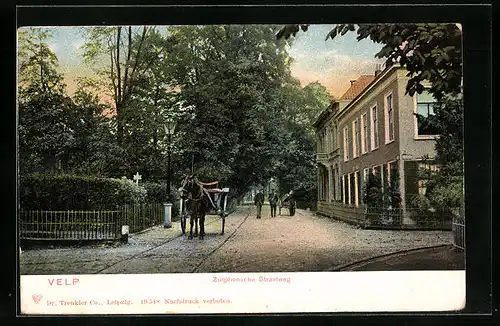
(324, 149)
(341, 188)
(374, 128)
(345, 188)
(321, 142)
(327, 141)
(426, 119)
(356, 138)
(392, 173)
(357, 192)
(365, 174)
(338, 181)
(422, 184)
(352, 189)
(364, 134)
(325, 184)
(389, 111)
(332, 184)
(332, 130)
(392, 170)
(362, 187)
(346, 144)
(378, 172)
(385, 175)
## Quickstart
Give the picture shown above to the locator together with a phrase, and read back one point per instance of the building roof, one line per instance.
(357, 87)
(356, 91)
(324, 114)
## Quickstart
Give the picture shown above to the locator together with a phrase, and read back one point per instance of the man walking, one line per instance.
(259, 201)
(273, 201)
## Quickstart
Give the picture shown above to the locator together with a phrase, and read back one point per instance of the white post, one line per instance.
(125, 232)
(226, 190)
(168, 215)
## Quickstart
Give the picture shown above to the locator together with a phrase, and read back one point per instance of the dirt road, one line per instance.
(304, 242)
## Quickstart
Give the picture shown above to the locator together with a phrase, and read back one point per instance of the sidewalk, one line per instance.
(436, 258)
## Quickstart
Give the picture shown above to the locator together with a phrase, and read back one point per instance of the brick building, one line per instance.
(373, 128)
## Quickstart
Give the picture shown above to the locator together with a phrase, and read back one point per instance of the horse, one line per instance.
(193, 193)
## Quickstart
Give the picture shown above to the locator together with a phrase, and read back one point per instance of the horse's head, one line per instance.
(190, 188)
(185, 186)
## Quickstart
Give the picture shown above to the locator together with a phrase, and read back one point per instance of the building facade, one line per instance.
(374, 128)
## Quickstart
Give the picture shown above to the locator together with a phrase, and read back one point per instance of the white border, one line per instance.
(282, 293)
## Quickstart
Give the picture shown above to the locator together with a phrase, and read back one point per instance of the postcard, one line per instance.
(240, 168)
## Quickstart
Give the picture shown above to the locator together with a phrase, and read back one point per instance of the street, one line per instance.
(300, 243)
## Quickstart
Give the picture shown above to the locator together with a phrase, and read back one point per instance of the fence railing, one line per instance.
(387, 218)
(142, 216)
(88, 225)
(69, 225)
(459, 232)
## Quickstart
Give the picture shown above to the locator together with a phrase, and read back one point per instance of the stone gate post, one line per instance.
(168, 215)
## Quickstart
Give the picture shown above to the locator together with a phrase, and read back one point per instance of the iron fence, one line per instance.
(88, 225)
(408, 219)
(459, 232)
(350, 214)
(142, 216)
(387, 218)
(69, 225)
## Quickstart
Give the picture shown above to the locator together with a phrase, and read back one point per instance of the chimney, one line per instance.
(378, 69)
(352, 82)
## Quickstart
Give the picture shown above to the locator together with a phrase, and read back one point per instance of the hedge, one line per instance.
(157, 193)
(45, 191)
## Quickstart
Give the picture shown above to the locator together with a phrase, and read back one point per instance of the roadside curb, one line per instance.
(375, 258)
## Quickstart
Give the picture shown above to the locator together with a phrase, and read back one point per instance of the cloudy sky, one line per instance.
(333, 62)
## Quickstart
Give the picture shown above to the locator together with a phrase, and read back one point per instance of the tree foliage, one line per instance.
(246, 120)
(128, 53)
(37, 64)
(445, 187)
(241, 117)
(45, 133)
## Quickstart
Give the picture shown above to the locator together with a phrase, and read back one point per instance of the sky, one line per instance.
(333, 63)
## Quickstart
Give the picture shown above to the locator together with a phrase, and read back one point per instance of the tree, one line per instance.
(445, 187)
(373, 196)
(230, 75)
(45, 134)
(297, 161)
(44, 131)
(128, 53)
(95, 150)
(37, 64)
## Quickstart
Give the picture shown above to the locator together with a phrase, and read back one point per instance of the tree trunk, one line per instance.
(119, 122)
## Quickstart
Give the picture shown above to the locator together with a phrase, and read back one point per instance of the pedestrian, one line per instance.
(292, 206)
(273, 202)
(259, 201)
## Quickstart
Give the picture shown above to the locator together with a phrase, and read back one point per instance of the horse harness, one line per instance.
(204, 191)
